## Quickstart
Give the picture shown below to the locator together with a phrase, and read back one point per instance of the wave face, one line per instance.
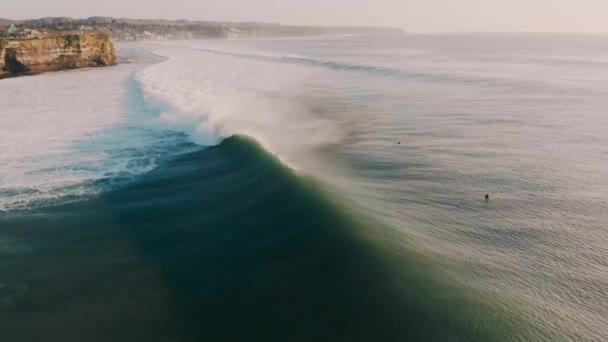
(225, 243)
(323, 189)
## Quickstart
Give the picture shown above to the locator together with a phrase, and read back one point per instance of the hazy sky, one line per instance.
(412, 15)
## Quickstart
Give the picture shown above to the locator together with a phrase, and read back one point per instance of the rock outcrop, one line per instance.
(71, 51)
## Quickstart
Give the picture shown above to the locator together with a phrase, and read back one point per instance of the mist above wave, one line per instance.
(211, 97)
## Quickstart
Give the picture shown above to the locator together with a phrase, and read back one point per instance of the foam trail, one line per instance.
(334, 65)
(420, 73)
(68, 135)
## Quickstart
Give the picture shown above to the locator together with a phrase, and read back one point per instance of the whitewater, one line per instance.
(333, 186)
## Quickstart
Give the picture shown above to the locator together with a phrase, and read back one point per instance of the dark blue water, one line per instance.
(223, 244)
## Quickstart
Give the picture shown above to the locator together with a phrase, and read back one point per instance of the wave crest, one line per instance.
(215, 98)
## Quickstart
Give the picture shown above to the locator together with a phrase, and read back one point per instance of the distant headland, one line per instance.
(146, 29)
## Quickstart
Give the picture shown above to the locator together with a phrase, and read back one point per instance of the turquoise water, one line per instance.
(311, 189)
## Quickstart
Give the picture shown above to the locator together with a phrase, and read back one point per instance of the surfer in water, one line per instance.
(487, 197)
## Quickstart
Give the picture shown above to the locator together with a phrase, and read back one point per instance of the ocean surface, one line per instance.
(313, 189)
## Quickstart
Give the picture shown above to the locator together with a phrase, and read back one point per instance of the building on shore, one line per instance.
(85, 29)
(12, 31)
(29, 33)
(20, 32)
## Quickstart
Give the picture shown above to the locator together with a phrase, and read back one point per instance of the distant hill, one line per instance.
(140, 29)
(7, 22)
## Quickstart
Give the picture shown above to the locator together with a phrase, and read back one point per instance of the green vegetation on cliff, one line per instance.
(71, 40)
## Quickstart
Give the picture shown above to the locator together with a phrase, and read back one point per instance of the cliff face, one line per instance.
(56, 53)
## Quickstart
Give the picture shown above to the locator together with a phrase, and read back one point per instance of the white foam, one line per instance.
(211, 97)
(60, 133)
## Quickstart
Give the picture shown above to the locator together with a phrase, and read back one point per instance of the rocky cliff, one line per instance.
(71, 51)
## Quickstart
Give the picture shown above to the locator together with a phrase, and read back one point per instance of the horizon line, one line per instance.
(404, 29)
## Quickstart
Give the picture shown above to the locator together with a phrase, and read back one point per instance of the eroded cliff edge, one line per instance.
(52, 53)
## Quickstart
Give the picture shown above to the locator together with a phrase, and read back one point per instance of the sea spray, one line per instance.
(214, 98)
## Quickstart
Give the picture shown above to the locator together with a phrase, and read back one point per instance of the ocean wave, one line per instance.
(428, 75)
(205, 226)
(299, 59)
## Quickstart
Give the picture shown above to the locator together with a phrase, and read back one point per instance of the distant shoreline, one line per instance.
(125, 29)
